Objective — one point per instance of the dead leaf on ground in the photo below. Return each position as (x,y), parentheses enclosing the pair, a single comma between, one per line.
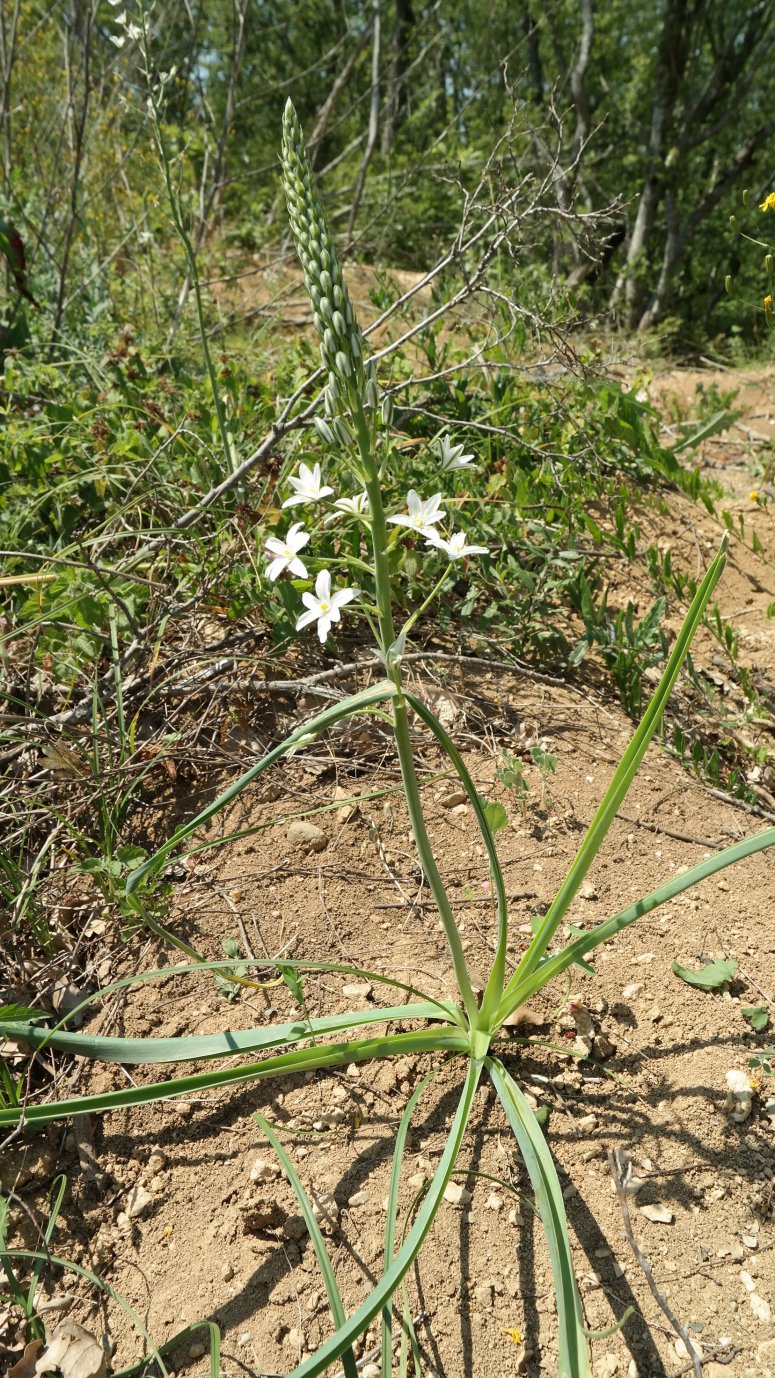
(74,1351)
(26,1366)
(527,1018)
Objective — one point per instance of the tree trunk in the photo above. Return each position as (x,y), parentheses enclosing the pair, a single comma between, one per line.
(670,61)
(534,64)
(396,104)
(371,138)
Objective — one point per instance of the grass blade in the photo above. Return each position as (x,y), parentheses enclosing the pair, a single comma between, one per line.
(553,966)
(574,1355)
(376,693)
(318,1243)
(406,1255)
(140,1369)
(621,781)
(300,1060)
(392,1212)
(40,1258)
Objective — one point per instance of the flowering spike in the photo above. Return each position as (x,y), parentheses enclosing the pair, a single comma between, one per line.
(341,339)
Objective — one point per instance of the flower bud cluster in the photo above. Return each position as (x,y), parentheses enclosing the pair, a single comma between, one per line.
(342,344)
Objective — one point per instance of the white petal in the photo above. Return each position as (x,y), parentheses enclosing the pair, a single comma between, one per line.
(324,627)
(276,568)
(323,586)
(296,567)
(306,618)
(297,497)
(343,596)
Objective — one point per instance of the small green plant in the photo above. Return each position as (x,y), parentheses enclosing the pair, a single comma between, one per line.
(762,1062)
(370,555)
(510,773)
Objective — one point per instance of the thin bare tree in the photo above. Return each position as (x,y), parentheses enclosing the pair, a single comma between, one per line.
(371,138)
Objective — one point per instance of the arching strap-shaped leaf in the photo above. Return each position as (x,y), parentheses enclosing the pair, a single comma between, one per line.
(390,1223)
(344,1336)
(553,966)
(494,986)
(318,1243)
(377,693)
(198,1048)
(300,1060)
(574,1354)
(623,778)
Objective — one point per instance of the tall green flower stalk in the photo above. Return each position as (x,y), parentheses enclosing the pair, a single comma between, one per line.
(469,1032)
(352,397)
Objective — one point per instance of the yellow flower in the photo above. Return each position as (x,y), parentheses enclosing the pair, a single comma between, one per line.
(753,496)
(768,204)
(768,304)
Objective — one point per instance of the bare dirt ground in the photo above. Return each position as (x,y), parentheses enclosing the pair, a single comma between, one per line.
(215,1232)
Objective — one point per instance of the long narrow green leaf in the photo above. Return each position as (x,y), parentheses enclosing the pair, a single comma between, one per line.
(392,1214)
(300,1060)
(376,693)
(318,1243)
(131,1051)
(140,1368)
(623,777)
(553,966)
(38,1256)
(60,1187)
(406,1255)
(444,1009)
(494,987)
(574,1355)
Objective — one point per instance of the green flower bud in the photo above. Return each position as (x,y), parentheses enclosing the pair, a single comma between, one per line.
(343,433)
(323,430)
(322,271)
(768,264)
(728,284)
(387,410)
(372,395)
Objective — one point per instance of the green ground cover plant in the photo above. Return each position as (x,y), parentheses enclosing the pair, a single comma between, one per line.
(380,518)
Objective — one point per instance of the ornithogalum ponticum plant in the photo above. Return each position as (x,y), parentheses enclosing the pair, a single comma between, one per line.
(358,421)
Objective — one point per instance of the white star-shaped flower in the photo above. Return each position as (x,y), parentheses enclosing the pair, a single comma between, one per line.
(451,456)
(422,514)
(351,507)
(455,548)
(323,606)
(285,553)
(307,486)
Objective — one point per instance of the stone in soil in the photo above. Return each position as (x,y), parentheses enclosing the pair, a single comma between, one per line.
(306,837)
